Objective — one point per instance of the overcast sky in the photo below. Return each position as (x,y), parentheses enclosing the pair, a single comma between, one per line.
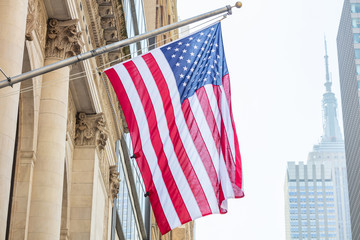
(275,55)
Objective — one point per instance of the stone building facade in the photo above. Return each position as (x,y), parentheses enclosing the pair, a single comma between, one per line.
(58,174)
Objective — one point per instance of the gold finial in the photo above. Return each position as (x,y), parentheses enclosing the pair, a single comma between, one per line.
(238,4)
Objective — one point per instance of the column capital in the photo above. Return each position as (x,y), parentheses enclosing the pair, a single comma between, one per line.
(62,39)
(91,130)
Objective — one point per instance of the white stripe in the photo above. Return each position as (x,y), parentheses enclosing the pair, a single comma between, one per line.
(224,175)
(225,110)
(147,148)
(210,145)
(175,168)
(183,129)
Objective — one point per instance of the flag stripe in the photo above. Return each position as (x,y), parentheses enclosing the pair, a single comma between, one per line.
(201,147)
(238,180)
(167,175)
(185,134)
(146,146)
(168,147)
(141,160)
(174,134)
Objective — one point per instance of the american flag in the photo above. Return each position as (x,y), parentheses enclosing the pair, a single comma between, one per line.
(176,102)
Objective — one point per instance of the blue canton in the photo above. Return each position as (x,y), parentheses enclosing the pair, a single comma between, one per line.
(197,60)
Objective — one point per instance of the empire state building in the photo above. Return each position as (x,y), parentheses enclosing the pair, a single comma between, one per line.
(316,192)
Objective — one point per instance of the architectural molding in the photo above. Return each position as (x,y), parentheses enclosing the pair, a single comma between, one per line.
(114,181)
(90,130)
(62,39)
(36,21)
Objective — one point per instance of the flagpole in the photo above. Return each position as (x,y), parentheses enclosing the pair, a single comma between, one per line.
(111,47)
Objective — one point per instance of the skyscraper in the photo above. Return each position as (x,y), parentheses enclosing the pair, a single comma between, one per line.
(348,43)
(316,196)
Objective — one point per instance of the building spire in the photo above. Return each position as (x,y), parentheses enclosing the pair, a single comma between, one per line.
(328,81)
(331,126)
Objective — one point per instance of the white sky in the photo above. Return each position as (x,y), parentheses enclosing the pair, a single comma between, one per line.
(274,52)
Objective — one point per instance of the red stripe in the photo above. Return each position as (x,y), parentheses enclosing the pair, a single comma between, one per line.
(180,151)
(238,174)
(156,141)
(201,146)
(211,121)
(225,145)
(136,142)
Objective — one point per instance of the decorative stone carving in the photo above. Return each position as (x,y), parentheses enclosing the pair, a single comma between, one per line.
(35,21)
(114,181)
(63,40)
(106,11)
(90,130)
(108,23)
(71,119)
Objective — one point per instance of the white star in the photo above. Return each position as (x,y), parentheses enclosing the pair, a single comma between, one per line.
(188,77)
(209,35)
(212,29)
(173,55)
(215,61)
(202,49)
(218,56)
(206,42)
(216,45)
(201,33)
(198,40)
(213,50)
(196,62)
(205,79)
(209,57)
(191,38)
(214,79)
(181,57)
(179,43)
(188,61)
(209,72)
(217,73)
(176,49)
(195,47)
(192,54)
(177,64)
(212,66)
(168,48)
(185,68)
(181,75)
(192,69)
(184,51)
(184,84)
(187,44)
(199,55)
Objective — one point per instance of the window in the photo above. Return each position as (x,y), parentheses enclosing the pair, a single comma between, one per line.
(356,37)
(355,7)
(356,22)
(357,53)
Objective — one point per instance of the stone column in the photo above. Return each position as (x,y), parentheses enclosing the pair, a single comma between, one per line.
(90,140)
(46,200)
(12,38)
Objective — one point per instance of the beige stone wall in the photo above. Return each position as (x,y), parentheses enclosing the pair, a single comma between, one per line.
(64,180)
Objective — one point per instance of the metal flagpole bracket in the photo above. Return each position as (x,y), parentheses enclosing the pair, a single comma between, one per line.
(7,77)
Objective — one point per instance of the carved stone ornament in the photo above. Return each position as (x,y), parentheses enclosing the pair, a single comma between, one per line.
(62,39)
(35,21)
(114,181)
(90,130)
